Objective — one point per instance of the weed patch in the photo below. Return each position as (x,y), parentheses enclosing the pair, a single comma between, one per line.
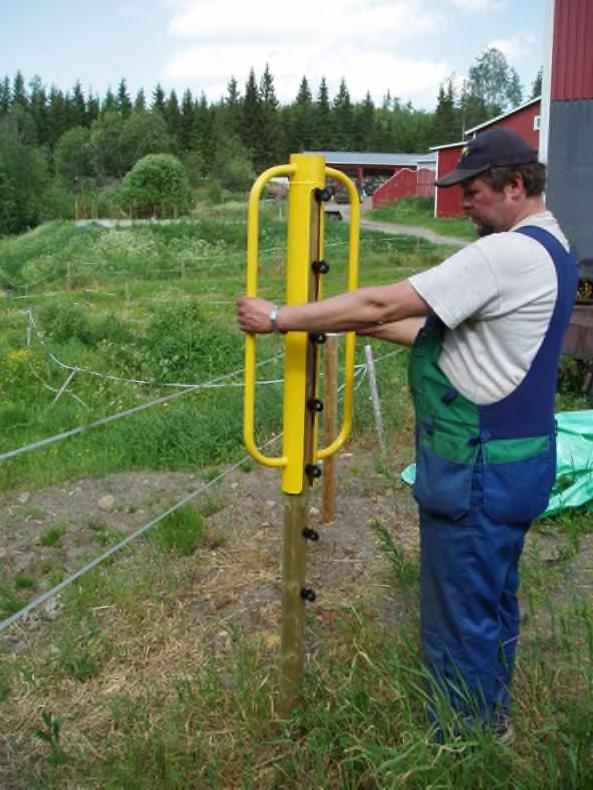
(182,531)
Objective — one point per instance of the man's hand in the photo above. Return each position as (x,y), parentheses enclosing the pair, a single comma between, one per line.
(253,315)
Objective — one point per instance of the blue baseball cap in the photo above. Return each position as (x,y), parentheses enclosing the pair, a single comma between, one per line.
(494,148)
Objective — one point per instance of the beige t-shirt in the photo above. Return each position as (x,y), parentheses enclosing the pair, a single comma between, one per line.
(496,297)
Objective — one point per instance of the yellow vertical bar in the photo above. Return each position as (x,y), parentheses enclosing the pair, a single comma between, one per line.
(308,176)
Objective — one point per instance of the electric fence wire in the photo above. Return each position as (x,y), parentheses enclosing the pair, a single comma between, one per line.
(187,389)
(41,599)
(360,373)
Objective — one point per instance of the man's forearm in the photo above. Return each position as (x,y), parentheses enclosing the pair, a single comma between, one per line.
(351,311)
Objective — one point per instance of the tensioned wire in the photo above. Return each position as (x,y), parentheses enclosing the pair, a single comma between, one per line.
(106,554)
(22,613)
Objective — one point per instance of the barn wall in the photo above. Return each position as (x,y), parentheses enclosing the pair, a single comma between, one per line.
(405,183)
(448,200)
(522,122)
(572,51)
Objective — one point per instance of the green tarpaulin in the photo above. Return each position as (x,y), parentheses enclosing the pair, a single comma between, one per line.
(574,468)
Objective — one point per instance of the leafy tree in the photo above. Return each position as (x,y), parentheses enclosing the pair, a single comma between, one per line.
(73,160)
(232,165)
(105,146)
(158,186)
(9,219)
(536,88)
(492,87)
(24,177)
(141,134)
(19,124)
(514,90)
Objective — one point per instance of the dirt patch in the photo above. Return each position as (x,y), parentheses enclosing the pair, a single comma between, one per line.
(51,533)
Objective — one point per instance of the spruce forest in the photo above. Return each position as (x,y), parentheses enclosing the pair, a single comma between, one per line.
(64,153)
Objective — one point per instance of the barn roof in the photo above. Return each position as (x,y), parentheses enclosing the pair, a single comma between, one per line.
(497,118)
(369,158)
(448,145)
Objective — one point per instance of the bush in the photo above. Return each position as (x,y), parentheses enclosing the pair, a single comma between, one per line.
(157,186)
(64,321)
(183,342)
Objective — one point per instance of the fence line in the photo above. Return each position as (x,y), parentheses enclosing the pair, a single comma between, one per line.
(106,554)
(213,384)
(360,373)
(59,269)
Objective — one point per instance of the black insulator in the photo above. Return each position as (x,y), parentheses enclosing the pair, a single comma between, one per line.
(307,594)
(314,404)
(320,267)
(310,534)
(313,470)
(318,337)
(323,195)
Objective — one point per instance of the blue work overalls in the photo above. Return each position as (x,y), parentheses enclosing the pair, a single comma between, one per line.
(483,473)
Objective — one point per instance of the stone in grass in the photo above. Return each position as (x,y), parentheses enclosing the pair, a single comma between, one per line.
(106,503)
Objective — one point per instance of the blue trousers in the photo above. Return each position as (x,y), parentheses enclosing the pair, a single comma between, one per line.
(469,613)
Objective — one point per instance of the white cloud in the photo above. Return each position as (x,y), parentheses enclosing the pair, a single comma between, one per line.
(360,40)
(515,47)
(479,6)
(271,20)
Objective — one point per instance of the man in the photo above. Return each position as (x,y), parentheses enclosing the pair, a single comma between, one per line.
(486,328)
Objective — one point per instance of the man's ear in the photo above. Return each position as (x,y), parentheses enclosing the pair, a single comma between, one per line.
(516,185)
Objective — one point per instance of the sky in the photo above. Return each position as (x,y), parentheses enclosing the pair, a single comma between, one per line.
(404,47)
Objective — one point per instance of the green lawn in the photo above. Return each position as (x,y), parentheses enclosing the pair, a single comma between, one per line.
(419,212)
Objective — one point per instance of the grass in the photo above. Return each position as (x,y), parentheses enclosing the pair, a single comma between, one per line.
(209,721)
(182,531)
(52,536)
(419,211)
(160,668)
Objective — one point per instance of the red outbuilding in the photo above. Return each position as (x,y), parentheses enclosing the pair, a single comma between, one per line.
(524,120)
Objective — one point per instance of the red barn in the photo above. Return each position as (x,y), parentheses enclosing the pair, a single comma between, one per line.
(525,120)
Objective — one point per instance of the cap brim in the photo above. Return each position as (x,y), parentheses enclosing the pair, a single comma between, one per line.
(459,175)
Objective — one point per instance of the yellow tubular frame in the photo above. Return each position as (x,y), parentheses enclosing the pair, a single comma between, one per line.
(352,284)
(307,172)
(252,272)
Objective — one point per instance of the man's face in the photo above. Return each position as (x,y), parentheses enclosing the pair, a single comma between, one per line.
(488,210)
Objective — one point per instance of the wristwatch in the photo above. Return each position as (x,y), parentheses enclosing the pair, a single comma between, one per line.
(274,319)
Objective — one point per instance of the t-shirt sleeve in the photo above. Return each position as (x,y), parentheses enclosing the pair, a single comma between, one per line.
(460,287)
